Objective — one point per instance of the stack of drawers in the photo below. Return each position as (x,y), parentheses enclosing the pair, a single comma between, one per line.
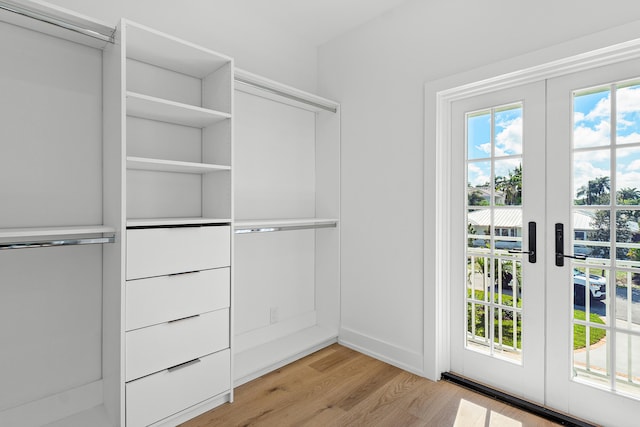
(177,320)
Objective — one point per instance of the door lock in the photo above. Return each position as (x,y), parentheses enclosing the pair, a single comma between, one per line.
(532,244)
(560,255)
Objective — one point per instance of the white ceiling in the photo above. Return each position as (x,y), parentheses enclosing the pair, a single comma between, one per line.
(318,21)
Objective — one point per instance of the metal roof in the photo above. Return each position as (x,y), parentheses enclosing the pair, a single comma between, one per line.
(510,217)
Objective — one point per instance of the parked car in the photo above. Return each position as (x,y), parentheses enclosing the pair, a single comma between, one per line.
(597,286)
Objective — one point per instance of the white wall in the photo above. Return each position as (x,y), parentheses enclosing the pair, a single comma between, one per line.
(221,25)
(378,73)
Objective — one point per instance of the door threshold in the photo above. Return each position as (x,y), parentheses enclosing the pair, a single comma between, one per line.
(541,411)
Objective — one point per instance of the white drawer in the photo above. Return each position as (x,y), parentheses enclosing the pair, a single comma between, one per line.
(160,299)
(165,393)
(158,347)
(161,251)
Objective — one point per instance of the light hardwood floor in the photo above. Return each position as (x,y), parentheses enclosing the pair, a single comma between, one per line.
(337,386)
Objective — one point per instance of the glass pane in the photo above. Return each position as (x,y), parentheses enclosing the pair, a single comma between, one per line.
(628,176)
(627,300)
(477,325)
(508,130)
(507,230)
(590,353)
(478,277)
(628,113)
(627,238)
(590,293)
(493,274)
(508,281)
(592,118)
(479,135)
(627,363)
(595,225)
(478,183)
(508,182)
(508,332)
(591,177)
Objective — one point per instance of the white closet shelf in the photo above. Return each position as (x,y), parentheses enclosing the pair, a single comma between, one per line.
(266,225)
(152,108)
(143,163)
(36,232)
(163,222)
(153,47)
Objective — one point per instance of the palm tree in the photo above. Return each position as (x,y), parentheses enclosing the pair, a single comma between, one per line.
(596,192)
(629,196)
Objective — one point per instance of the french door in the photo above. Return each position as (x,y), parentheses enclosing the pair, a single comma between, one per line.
(545,297)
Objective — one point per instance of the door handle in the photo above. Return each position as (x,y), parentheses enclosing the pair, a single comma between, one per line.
(560,255)
(532,244)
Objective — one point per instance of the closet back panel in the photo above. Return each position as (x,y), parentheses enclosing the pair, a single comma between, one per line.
(273,271)
(163,194)
(159,140)
(50,175)
(51,133)
(51,317)
(274,177)
(162,83)
(274,159)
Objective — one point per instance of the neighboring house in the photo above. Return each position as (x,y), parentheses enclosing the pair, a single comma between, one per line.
(485,194)
(508,223)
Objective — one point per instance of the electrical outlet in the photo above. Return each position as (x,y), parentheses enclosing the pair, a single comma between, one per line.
(274,316)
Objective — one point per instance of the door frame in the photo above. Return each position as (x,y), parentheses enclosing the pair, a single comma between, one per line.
(438,228)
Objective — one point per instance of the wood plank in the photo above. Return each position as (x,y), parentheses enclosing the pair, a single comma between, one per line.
(337,386)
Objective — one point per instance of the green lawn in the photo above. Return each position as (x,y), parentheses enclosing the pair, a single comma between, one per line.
(579,331)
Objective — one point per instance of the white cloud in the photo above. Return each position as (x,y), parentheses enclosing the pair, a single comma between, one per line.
(629,139)
(584,171)
(478,175)
(634,166)
(628,100)
(629,179)
(592,136)
(485,148)
(509,140)
(503,167)
(602,110)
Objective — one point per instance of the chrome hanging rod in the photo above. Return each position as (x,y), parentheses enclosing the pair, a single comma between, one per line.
(54,243)
(268,229)
(292,97)
(33,13)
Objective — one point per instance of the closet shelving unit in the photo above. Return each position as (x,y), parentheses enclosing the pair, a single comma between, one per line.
(168,161)
(167,167)
(52,367)
(286,239)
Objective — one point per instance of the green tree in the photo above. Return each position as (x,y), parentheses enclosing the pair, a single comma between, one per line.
(596,192)
(629,196)
(601,232)
(511,186)
(476,198)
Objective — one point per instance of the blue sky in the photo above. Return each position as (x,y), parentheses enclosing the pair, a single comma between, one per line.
(592,129)
(507,142)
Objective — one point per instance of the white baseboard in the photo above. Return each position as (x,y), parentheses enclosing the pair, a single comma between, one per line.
(54,408)
(193,411)
(255,362)
(270,333)
(94,417)
(402,358)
